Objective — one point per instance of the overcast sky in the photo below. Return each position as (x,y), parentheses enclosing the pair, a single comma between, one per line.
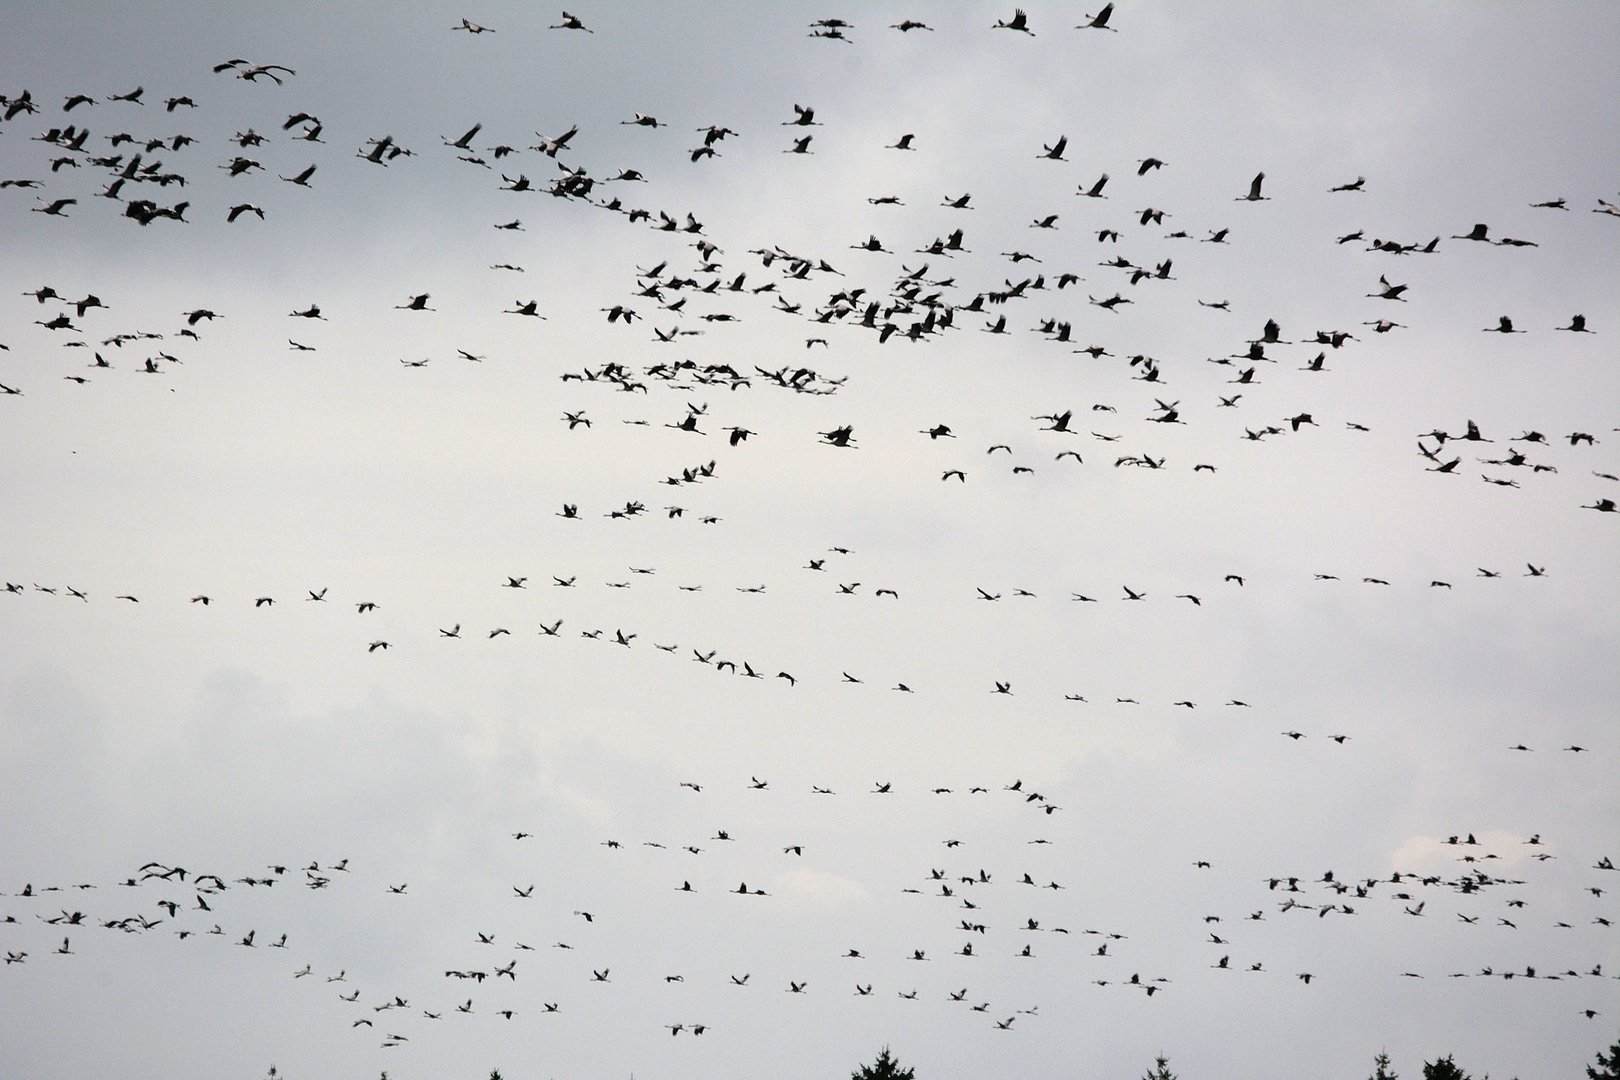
(440,614)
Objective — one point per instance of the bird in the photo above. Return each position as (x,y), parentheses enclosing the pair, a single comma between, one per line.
(840,437)
(1388,291)
(465,141)
(571,22)
(1019,22)
(1099,21)
(1254,190)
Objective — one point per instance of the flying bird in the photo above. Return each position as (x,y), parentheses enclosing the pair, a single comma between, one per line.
(571,22)
(1019,22)
(1098,21)
(1254,190)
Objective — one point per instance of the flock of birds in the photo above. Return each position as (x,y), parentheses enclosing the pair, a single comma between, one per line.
(967,916)
(523,622)
(916,304)
(144,167)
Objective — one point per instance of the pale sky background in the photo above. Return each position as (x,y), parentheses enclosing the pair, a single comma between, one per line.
(230,737)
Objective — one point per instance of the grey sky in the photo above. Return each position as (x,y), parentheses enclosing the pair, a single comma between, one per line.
(230,736)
